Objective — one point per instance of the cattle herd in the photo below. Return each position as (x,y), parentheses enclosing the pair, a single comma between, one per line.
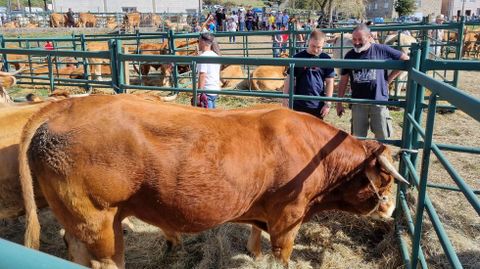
(129,22)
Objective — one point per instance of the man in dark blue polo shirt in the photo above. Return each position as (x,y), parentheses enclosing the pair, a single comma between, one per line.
(312,81)
(369,84)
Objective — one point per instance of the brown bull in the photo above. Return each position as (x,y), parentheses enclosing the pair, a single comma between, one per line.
(87,20)
(187,170)
(58,20)
(231,75)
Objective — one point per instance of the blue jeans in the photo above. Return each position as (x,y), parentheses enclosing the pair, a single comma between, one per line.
(276,50)
(211,101)
(242,26)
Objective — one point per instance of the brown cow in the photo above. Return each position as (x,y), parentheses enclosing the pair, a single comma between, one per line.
(131,21)
(231,75)
(262,78)
(111,23)
(87,20)
(470,43)
(10,25)
(58,20)
(269,78)
(186,170)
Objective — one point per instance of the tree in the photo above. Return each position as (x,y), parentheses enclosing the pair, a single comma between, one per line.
(404,7)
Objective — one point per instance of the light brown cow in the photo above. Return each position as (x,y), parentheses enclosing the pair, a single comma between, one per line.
(131,21)
(87,20)
(262,78)
(10,25)
(12,119)
(186,170)
(111,23)
(58,20)
(231,75)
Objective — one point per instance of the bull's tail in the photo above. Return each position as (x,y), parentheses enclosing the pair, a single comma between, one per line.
(32,233)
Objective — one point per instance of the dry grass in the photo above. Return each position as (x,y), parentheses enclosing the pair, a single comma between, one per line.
(331,239)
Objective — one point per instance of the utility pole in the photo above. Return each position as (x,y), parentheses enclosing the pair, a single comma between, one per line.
(463,8)
(29,6)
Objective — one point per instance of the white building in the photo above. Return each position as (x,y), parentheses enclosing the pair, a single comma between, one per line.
(143,6)
(453,8)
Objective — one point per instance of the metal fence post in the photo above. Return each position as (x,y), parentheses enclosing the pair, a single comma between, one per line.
(459,50)
(291,40)
(419,98)
(291,85)
(113,64)
(86,70)
(171,45)
(4,55)
(432,107)
(194,83)
(120,69)
(410,106)
(50,73)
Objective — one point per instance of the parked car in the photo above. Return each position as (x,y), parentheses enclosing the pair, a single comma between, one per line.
(377,20)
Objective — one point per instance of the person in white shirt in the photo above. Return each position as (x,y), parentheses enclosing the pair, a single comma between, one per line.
(209,73)
(231,27)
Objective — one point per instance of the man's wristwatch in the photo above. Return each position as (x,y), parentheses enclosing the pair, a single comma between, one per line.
(327,104)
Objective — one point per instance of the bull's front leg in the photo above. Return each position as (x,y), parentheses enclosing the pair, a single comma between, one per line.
(282,236)
(254,245)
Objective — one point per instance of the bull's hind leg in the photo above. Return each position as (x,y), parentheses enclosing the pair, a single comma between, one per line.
(97,241)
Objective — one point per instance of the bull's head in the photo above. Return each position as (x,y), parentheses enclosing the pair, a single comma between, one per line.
(369,192)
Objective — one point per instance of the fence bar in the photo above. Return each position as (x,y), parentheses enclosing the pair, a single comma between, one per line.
(423,180)
(447,187)
(17,256)
(464,187)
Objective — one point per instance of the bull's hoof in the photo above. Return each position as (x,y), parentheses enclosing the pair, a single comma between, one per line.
(172,247)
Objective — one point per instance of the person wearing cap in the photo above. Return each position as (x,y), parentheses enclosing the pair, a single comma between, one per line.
(436,36)
(209,73)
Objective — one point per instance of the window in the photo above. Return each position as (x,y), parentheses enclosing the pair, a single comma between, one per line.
(385,5)
(375,6)
(129,9)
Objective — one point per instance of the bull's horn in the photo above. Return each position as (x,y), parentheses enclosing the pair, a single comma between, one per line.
(169,98)
(389,167)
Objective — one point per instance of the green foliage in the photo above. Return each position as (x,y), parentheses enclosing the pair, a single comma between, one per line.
(404,7)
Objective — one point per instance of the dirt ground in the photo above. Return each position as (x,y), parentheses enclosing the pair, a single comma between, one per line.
(331,239)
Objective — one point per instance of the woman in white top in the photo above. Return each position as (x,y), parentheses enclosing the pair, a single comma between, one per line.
(231,27)
(209,73)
